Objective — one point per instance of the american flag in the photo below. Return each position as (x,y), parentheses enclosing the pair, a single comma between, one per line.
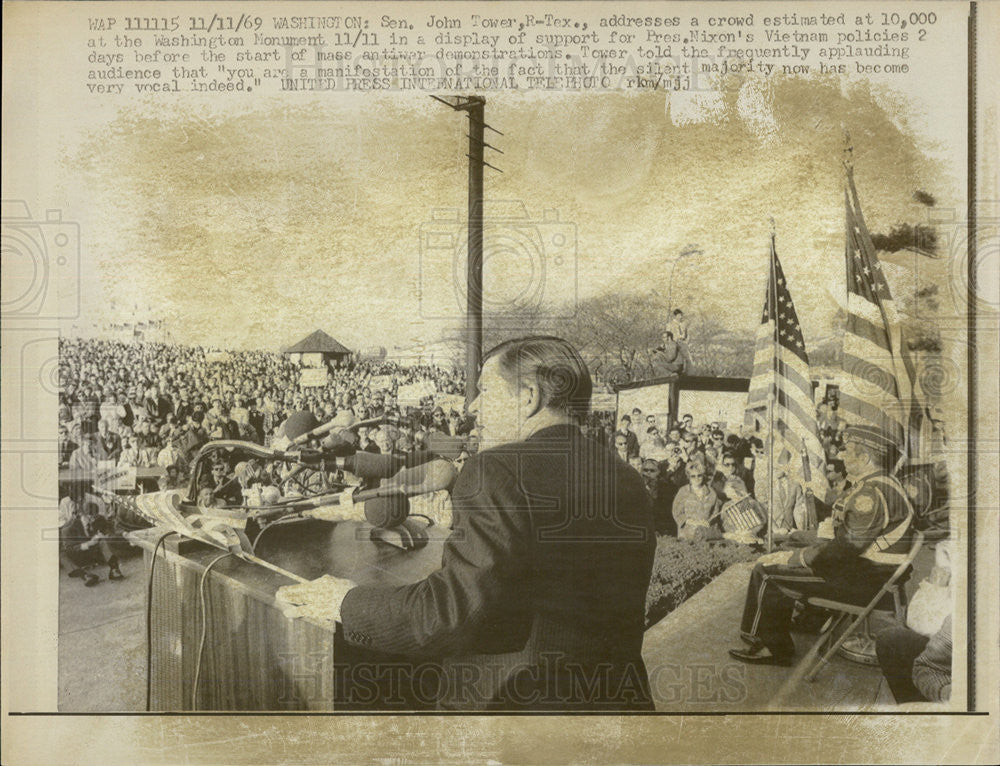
(877,388)
(781,371)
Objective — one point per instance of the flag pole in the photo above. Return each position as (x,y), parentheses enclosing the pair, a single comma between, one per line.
(772,308)
(770,473)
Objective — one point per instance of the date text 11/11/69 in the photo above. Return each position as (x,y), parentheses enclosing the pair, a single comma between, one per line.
(215,23)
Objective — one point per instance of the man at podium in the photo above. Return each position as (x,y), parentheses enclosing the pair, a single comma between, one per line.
(539,601)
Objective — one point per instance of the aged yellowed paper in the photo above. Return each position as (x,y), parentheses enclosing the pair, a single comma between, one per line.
(268,269)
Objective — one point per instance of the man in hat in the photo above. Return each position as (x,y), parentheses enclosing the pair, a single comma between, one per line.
(872,525)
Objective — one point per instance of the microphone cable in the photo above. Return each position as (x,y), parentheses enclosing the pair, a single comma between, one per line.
(149,620)
(204,627)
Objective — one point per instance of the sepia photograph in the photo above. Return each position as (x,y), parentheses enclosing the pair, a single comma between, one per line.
(387,384)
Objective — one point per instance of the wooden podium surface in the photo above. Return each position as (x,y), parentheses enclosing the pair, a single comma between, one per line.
(254,657)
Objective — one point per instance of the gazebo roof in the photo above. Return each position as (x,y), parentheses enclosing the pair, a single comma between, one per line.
(318,342)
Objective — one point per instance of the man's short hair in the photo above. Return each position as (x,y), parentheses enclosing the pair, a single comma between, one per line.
(556,367)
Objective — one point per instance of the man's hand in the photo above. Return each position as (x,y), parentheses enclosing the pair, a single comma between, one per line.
(319,599)
(331,512)
(778,558)
(825,530)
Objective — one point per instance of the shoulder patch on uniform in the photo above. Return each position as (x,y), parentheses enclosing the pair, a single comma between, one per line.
(863,502)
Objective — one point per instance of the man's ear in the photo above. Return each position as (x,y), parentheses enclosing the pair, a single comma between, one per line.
(530,399)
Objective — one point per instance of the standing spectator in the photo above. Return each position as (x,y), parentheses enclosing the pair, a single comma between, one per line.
(156,406)
(365,442)
(383,441)
(110,442)
(696,503)
(726,470)
(674,470)
(662,494)
(438,423)
(171,478)
(83,461)
(129,456)
(621,448)
(170,455)
(230,428)
(66,445)
(456,425)
(625,430)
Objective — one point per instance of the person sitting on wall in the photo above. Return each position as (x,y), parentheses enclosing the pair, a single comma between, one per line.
(669,357)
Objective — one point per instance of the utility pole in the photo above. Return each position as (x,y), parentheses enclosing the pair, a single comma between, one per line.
(475,107)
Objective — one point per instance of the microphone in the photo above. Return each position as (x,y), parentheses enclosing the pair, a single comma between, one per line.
(419,480)
(370,465)
(428,477)
(338,423)
(341,443)
(384,512)
(367,465)
(446,446)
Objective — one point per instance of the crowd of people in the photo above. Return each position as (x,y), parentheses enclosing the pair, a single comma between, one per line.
(154,405)
(708,480)
(151,404)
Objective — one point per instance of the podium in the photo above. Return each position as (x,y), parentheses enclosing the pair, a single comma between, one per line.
(254,657)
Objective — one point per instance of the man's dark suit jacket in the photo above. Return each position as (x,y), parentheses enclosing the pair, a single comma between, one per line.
(540,599)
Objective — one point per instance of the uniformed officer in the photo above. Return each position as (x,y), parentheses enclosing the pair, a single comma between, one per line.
(872,522)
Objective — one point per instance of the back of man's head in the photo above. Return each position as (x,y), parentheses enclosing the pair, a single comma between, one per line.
(562,377)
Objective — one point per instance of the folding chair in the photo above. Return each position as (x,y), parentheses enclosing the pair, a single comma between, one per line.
(860,614)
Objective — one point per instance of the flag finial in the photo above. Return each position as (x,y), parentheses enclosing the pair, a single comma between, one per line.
(774,227)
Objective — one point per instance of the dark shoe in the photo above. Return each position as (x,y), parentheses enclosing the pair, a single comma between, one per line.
(759,655)
(91,580)
(76,573)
